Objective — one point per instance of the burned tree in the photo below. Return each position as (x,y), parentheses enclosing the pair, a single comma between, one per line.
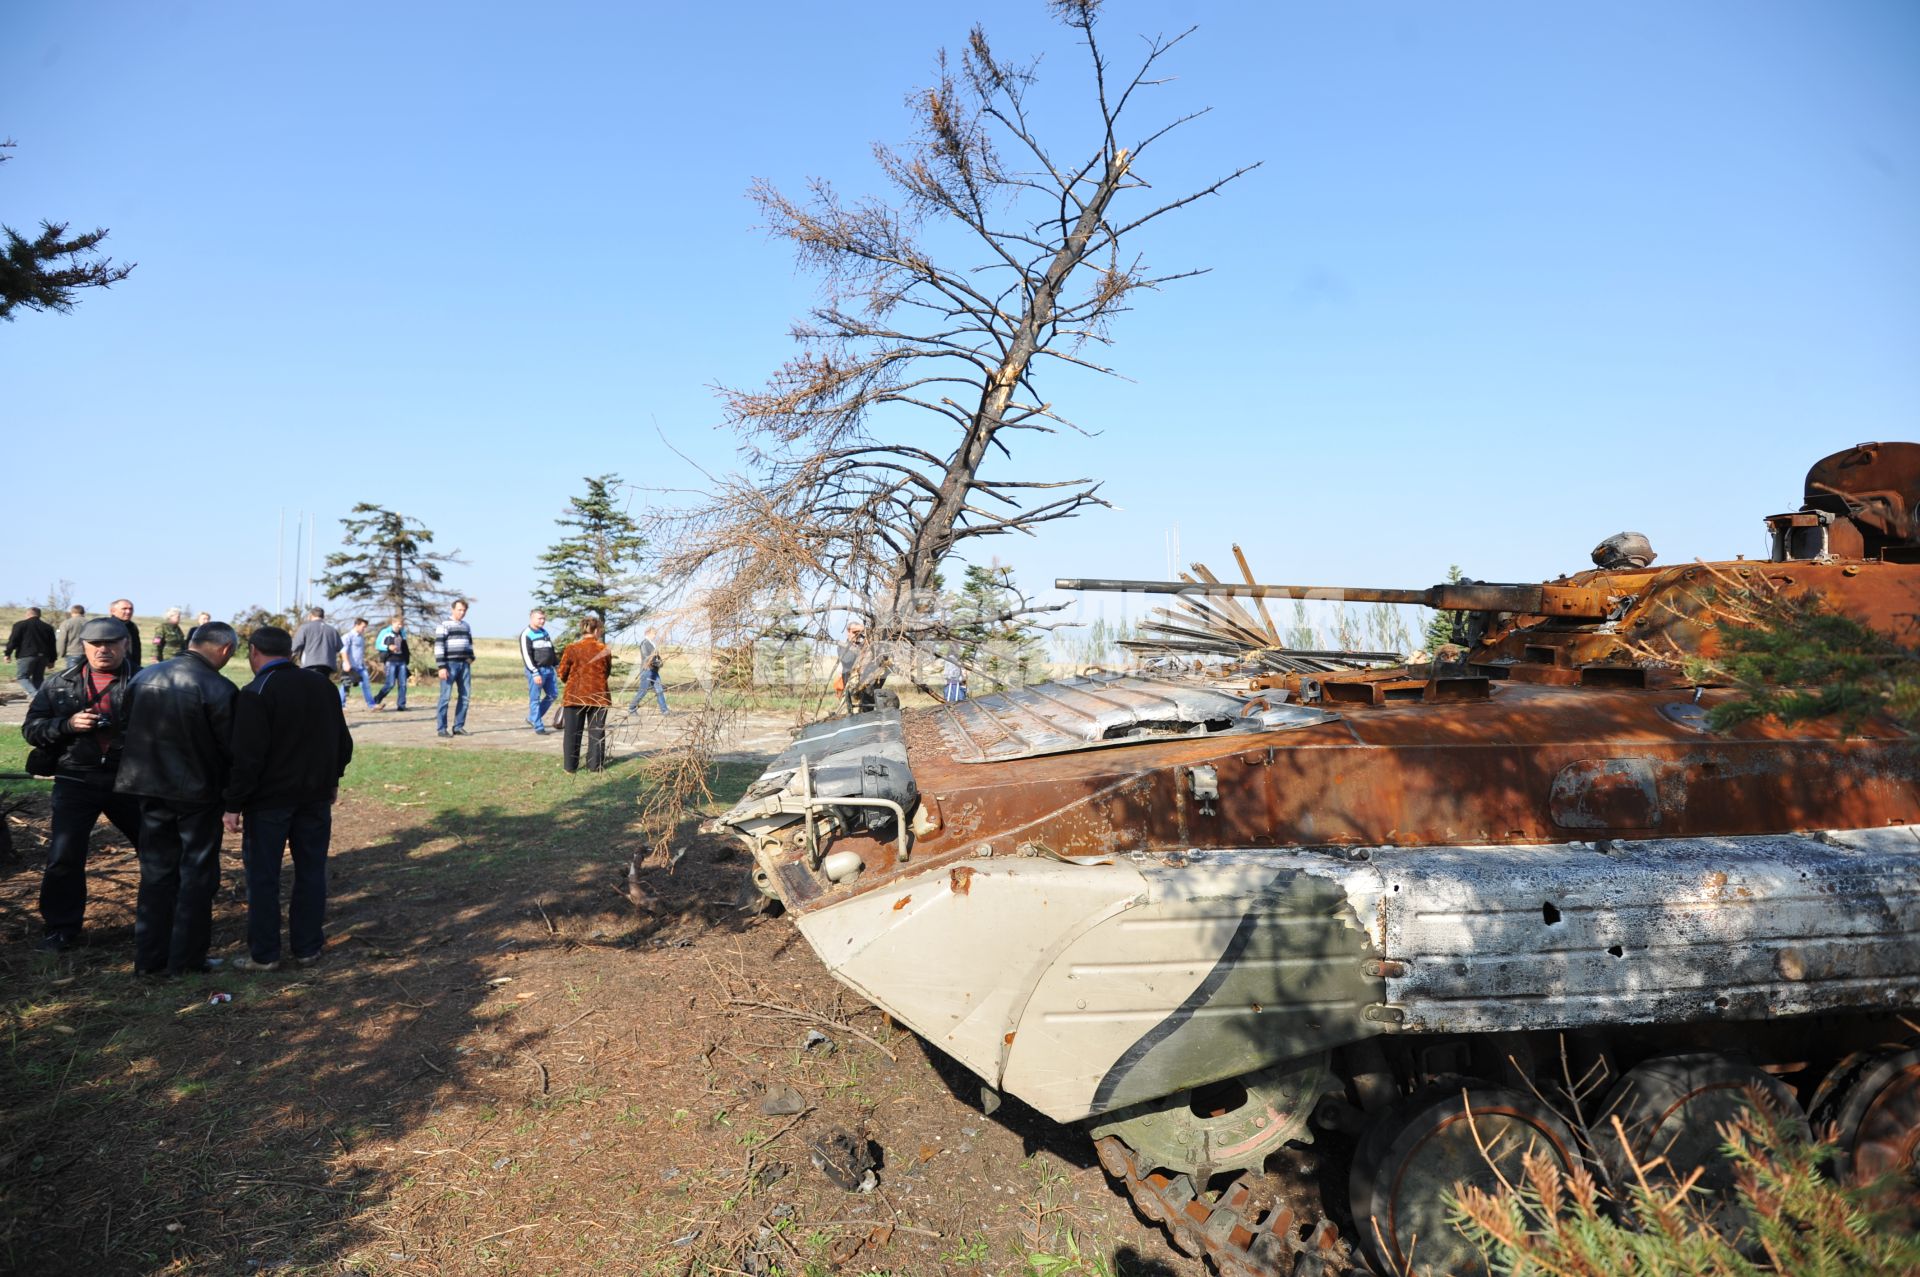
(882,447)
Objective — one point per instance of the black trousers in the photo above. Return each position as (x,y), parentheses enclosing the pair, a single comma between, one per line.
(179,873)
(78,803)
(270,833)
(594,718)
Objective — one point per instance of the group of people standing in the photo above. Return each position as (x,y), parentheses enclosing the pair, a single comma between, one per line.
(174,755)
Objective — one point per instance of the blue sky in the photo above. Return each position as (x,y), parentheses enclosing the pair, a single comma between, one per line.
(1512,276)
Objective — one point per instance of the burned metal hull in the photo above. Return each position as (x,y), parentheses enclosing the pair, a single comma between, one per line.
(1114,982)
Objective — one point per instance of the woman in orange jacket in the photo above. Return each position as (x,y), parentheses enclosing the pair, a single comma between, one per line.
(585,669)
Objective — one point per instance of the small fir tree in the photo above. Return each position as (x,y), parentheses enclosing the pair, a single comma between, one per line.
(1447,628)
(387,567)
(993,639)
(595,567)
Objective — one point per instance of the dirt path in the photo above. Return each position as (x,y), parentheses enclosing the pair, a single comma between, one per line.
(494,725)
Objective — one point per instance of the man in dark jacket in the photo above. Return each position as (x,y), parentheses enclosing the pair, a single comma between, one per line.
(30,646)
(290,747)
(391,644)
(77,714)
(177,753)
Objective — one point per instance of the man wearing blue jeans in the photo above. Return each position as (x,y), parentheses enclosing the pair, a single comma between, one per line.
(650,663)
(290,748)
(453,654)
(391,643)
(355,649)
(539,658)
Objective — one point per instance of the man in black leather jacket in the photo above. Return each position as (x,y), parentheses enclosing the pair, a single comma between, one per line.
(76,714)
(178,750)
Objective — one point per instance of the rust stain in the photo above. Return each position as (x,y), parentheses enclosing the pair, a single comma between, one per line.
(961,880)
(901,903)
(1009,1039)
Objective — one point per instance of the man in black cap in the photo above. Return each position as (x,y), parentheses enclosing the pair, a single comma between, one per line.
(76,718)
(30,647)
(178,749)
(290,747)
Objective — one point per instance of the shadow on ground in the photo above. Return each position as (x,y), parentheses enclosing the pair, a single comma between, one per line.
(149,1127)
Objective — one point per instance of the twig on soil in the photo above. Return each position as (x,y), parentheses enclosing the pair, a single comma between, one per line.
(809,1017)
(551,929)
(517,1228)
(545,1081)
(429,1063)
(896,1226)
(576,1019)
(257,1182)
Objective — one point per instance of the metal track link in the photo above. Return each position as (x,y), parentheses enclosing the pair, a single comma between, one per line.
(1282,1242)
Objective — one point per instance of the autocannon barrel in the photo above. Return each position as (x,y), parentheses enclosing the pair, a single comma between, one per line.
(1580,602)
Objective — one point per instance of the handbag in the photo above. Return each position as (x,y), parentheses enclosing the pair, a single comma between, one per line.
(43,760)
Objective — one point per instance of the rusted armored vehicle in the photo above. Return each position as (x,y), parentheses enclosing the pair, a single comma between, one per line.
(1303,950)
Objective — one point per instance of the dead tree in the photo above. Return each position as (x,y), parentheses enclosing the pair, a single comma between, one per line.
(884,446)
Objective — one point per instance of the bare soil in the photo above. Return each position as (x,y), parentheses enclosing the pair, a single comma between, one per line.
(503,1066)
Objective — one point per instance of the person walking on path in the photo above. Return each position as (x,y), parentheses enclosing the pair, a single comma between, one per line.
(76,715)
(585,667)
(453,656)
(31,646)
(122,611)
(391,644)
(650,663)
(290,748)
(198,621)
(354,659)
(70,653)
(317,645)
(175,758)
(537,654)
(956,676)
(169,640)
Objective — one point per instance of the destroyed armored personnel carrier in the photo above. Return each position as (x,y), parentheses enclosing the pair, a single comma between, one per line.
(1303,948)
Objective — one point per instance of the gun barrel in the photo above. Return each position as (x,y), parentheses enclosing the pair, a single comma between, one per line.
(1238,590)
(1578,602)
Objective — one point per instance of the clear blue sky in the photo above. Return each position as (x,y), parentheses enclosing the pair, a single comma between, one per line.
(1513,276)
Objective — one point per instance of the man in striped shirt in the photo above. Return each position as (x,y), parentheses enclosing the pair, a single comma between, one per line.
(537,654)
(453,654)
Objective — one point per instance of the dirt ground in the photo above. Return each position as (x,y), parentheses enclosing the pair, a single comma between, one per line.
(501,1066)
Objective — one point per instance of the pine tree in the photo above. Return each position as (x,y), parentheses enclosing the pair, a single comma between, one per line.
(1446,628)
(387,567)
(993,640)
(45,270)
(595,567)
